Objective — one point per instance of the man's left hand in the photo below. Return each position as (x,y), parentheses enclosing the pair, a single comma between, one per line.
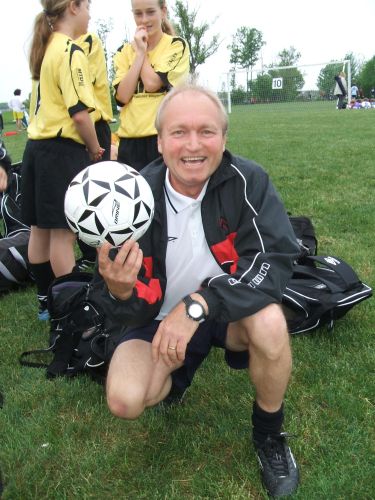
(173,335)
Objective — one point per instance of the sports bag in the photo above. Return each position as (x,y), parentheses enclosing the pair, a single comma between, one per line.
(321,291)
(305,233)
(81,341)
(14,271)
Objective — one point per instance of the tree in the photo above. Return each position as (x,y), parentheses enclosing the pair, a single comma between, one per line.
(103,27)
(367,77)
(245,47)
(293,80)
(289,57)
(194,34)
(355,66)
(326,82)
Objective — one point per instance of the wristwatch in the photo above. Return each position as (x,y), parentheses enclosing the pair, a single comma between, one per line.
(194,309)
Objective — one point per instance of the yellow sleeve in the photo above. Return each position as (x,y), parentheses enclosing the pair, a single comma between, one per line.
(75,81)
(121,63)
(173,67)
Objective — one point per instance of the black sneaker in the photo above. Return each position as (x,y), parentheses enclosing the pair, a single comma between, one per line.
(279,469)
(84,265)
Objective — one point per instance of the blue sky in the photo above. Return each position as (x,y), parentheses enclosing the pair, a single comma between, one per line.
(321,30)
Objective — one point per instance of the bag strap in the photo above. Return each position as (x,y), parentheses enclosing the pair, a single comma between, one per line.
(34,364)
(344,270)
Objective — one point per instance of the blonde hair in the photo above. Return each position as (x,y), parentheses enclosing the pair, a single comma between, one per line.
(194,88)
(166,24)
(53,10)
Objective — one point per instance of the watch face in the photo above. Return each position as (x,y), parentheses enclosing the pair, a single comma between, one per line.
(196,311)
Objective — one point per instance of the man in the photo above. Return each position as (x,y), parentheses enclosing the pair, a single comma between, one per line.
(354,91)
(211,270)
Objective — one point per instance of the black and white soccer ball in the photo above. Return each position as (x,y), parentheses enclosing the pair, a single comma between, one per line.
(109,201)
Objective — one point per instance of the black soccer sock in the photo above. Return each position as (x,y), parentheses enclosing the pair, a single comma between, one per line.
(265,423)
(88,253)
(43,276)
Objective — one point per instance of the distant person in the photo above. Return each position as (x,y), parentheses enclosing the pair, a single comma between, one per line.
(17,106)
(62,138)
(341,90)
(354,91)
(366,103)
(146,69)
(1,122)
(372,92)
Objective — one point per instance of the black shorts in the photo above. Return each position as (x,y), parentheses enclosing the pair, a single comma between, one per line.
(209,334)
(138,152)
(48,166)
(103,133)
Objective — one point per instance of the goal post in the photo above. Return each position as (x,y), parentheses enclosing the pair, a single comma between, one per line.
(273,85)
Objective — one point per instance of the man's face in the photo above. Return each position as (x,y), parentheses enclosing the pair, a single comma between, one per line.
(191,141)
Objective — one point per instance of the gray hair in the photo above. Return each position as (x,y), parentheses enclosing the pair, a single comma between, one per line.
(191,87)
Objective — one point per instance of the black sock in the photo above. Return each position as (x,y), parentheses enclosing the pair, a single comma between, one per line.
(88,253)
(43,276)
(265,423)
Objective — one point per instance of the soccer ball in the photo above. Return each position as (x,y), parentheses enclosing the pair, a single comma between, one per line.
(109,201)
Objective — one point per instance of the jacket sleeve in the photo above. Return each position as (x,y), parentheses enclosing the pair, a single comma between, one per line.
(140,308)
(262,255)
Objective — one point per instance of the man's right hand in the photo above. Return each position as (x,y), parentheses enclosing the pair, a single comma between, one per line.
(120,273)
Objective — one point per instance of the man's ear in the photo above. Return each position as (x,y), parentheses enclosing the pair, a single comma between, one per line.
(225,142)
(160,149)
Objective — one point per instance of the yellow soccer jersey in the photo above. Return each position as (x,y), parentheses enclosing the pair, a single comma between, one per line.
(170,60)
(92,45)
(64,89)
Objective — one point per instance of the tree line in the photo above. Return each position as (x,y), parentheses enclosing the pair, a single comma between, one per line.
(244,53)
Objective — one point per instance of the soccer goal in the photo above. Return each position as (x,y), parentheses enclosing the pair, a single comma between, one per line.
(272,87)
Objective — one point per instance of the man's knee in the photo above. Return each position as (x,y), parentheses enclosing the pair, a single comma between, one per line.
(267,332)
(127,403)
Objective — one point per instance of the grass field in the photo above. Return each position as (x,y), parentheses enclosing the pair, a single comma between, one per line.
(58,440)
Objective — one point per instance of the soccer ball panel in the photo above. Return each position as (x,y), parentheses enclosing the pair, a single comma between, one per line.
(109,201)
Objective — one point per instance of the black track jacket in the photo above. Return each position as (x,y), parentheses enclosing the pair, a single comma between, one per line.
(248,232)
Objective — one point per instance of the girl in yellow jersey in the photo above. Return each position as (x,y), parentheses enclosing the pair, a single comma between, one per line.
(62,139)
(146,70)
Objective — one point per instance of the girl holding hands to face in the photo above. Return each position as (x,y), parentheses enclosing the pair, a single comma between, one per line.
(146,69)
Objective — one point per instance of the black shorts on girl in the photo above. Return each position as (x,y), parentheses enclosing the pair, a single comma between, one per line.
(138,152)
(209,334)
(48,166)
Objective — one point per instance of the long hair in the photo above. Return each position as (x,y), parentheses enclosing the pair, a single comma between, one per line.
(166,25)
(45,21)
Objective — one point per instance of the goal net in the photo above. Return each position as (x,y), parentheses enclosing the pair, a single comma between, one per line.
(280,86)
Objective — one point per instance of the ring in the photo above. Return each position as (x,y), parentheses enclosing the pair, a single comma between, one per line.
(171,348)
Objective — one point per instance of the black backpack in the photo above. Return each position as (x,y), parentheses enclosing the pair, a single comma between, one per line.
(320,291)
(14,270)
(81,339)
(305,233)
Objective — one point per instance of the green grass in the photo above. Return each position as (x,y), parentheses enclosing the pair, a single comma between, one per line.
(58,439)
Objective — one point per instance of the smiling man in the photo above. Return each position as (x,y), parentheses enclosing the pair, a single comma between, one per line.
(210,271)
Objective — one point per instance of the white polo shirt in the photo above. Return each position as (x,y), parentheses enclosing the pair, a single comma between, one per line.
(189,261)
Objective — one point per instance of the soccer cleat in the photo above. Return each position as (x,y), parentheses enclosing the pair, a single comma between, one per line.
(83,265)
(279,470)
